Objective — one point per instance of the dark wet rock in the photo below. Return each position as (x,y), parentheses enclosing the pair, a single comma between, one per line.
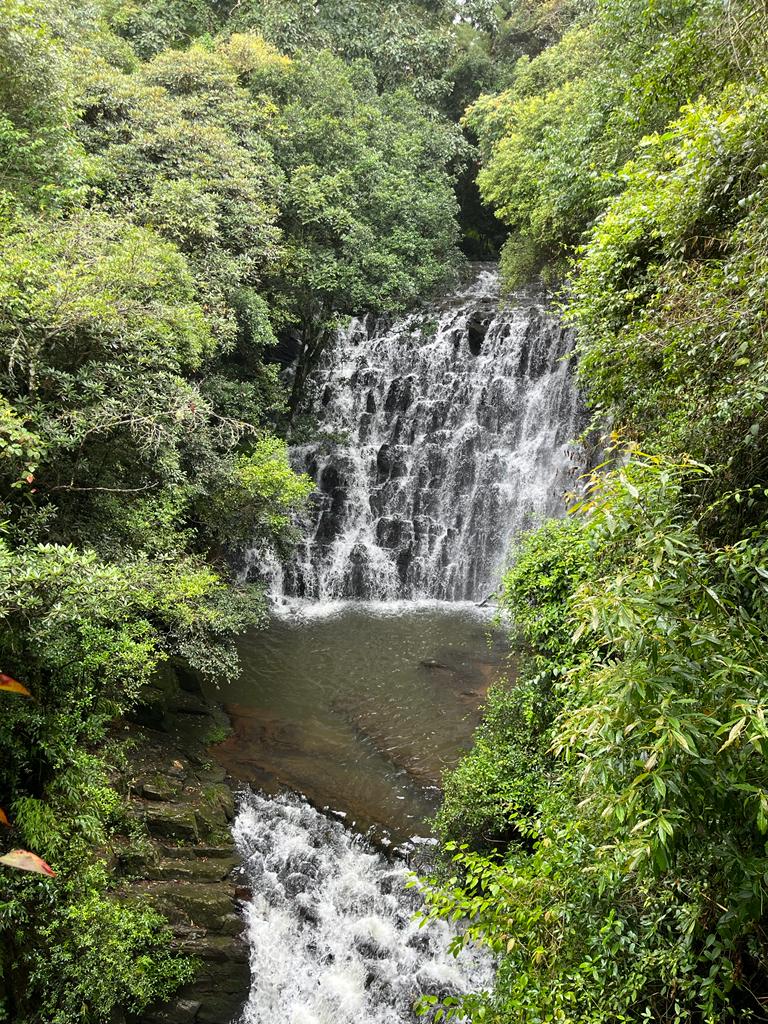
(371,950)
(307,909)
(365,425)
(200,904)
(180,1011)
(393,532)
(214,808)
(358,560)
(419,941)
(399,394)
(330,479)
(295,883)
(161,788)
(186,703)
(202,852)
(195,869)
(477,328)
(223,978)
(387,462)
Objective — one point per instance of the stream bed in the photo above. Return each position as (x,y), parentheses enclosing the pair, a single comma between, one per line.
(442,435)
(345,717)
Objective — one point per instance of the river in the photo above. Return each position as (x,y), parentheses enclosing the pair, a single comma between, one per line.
(444,434)
(362,707)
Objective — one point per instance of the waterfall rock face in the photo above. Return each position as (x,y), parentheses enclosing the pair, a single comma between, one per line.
(447,432)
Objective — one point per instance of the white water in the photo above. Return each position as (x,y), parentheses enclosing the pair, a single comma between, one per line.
(447,433)
(303,609)
(331,928)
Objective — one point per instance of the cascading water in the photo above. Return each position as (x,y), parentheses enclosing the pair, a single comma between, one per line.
(333,939)
(446,433)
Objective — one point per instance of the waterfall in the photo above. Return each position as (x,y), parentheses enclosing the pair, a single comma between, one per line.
(445,433)
(331,928)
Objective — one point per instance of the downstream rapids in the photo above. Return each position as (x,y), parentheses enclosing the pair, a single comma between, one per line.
(331,927)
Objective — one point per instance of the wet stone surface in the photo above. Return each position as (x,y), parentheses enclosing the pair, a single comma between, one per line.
(462,413)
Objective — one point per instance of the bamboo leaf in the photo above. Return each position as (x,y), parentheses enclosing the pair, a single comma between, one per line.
(734,734)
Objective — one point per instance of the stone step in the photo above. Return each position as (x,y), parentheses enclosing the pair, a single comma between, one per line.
(193,869)
(171,821)
(205,905)
(205,852)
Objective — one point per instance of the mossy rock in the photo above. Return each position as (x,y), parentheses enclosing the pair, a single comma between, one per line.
(171,821)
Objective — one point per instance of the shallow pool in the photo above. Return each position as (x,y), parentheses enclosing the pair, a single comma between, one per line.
(361,707)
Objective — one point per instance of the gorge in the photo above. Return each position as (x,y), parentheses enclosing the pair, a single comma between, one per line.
(304,305)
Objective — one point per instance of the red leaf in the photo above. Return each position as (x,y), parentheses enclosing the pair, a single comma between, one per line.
(23,860)
(13,686)
(4,818)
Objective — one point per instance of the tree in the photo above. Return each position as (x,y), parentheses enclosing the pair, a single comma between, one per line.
(38,151)
(632,887)
(554,142)
(368,210)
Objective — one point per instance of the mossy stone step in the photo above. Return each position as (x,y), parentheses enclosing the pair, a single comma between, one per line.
(193,869)
(171,821)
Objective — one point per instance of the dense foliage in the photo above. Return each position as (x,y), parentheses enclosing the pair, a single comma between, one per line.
(633,887)
(185,184)
(166,214)
(555,143)
(629,158)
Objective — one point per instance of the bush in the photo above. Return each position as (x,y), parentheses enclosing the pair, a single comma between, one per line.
(497,784)
(670,297)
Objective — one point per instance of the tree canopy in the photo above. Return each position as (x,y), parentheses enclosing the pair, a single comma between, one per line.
(184,185)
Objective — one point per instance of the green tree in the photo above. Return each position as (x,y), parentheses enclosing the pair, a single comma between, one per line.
(670,297)
(38,150)
(120,454)
(634,888)
(554,142)
(368,210)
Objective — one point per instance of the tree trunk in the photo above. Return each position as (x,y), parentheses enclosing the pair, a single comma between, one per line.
(312,347)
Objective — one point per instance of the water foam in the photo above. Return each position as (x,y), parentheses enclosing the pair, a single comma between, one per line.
(303,609)
(331,925)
